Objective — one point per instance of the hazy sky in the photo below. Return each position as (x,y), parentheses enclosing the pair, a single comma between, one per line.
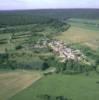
(37,4)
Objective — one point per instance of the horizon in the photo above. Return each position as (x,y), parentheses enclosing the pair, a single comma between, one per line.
(50,9)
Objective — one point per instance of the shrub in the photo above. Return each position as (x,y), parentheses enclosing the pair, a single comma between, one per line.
(45,66)
(18,47)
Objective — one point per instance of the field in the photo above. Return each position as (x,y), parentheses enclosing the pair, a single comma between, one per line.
(12,82)
(76,34)
(76,87)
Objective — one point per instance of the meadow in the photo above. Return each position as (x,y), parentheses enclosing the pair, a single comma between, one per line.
(73,87)
(77,34)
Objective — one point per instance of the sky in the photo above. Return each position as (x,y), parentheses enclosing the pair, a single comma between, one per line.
(46,4)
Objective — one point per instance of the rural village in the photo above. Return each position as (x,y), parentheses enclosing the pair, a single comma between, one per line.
(61,49)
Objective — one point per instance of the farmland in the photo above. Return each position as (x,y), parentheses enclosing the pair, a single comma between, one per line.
(18,42)
(82,35)
(77,87)
(14,82)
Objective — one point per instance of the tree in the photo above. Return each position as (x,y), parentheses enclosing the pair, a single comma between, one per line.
(45,66)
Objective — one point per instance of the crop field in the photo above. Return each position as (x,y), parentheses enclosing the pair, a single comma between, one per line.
(12,82)
(76,87)
(76,34)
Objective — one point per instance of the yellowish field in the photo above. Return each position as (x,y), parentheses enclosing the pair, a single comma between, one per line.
(13,82)
(80,35)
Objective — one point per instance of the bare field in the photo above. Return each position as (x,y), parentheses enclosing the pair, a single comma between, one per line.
(14,82)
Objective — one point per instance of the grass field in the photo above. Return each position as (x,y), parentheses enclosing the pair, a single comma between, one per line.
(80,35)
(12,82)
(76,87)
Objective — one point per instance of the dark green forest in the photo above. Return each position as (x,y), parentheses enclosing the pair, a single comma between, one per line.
(24,17)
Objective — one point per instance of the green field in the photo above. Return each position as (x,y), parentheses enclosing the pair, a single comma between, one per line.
(12,82)
(83,21)
(77,87)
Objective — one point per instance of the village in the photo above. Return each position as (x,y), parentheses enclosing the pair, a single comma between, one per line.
(61,49)
(64,52)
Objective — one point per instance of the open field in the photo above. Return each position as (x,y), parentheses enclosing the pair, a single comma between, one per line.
(92,27)
(76,87)
(12,82)
(91,24)
(84,21)
(76,34)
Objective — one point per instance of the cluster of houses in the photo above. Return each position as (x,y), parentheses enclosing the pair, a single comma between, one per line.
(61,49)
(64,52)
